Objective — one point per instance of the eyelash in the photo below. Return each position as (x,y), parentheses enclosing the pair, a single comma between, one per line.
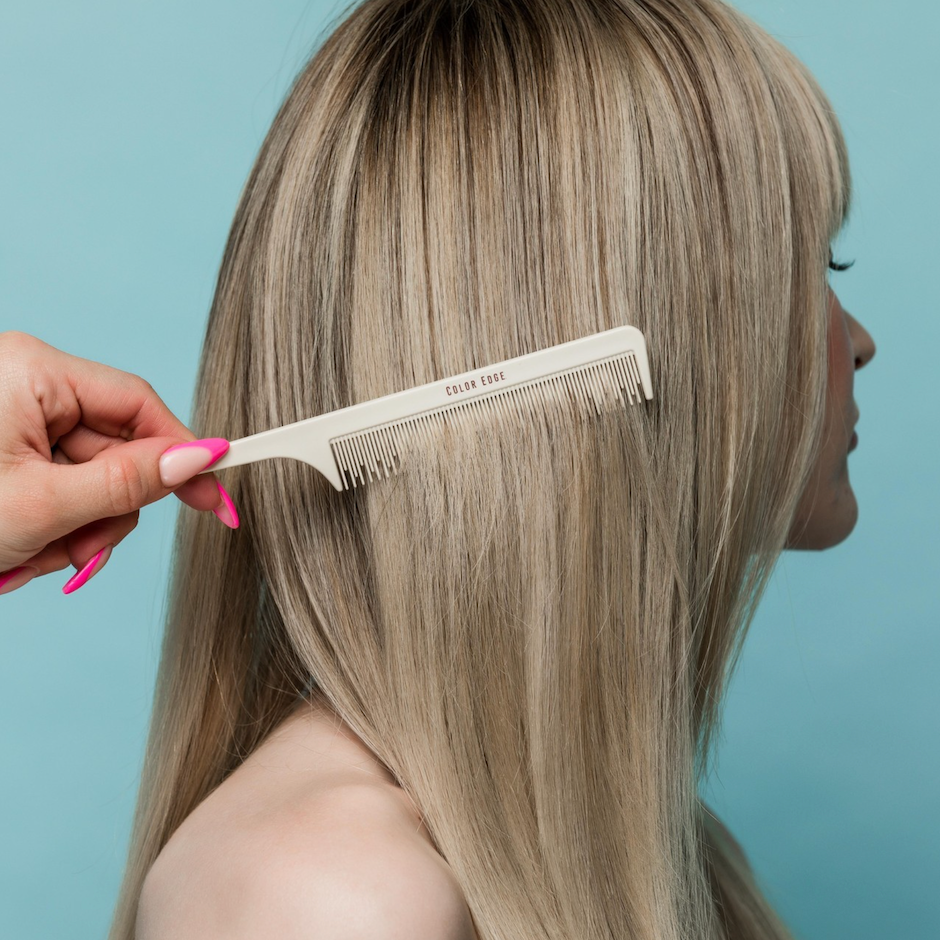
(837,266)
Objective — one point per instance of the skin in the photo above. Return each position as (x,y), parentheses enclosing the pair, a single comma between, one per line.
(315,745)
(58,508)
(828,510)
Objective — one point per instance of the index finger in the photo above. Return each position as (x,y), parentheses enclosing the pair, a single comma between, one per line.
(83,443)
(68,389)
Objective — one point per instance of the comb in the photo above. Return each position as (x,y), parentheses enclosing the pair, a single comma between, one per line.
(350,443)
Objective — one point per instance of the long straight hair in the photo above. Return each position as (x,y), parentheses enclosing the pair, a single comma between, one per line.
(533,624)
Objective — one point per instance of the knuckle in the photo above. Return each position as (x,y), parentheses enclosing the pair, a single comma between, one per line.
(24,358)
(142,384)
(126,487)
(11,339)
(16,345)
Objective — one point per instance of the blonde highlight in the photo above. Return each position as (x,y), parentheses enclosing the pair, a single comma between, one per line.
(534,631)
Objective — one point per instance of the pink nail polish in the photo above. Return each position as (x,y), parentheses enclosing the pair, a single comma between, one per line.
(226,512)
(182,461)
(17,577)
(92,567)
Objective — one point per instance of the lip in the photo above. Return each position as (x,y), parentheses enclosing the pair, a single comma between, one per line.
(854,442)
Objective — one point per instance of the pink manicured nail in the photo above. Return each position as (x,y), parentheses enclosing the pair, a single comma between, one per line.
(226,512)
(92,567)
(181,461)
(17,577)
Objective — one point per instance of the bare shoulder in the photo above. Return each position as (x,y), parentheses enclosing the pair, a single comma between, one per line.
(343,864)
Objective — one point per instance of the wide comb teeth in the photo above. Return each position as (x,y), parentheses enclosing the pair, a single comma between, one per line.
(367,440)
(366,455)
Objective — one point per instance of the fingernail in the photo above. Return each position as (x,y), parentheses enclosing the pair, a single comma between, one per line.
(92,567)
(181,461)
(17,577)
(226,512)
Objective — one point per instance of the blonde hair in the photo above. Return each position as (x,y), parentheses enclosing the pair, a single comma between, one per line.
(533,624)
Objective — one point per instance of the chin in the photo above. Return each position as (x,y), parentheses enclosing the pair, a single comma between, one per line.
(826,528)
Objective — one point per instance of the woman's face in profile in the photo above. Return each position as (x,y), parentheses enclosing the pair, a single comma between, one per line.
(827,511)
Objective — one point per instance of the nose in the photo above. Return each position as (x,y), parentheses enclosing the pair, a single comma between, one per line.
(862,342)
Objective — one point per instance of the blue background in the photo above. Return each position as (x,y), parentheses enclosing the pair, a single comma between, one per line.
(128,130)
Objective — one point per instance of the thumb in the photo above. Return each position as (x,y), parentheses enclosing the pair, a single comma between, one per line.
(119,479)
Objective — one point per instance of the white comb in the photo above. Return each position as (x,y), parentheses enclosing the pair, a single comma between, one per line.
(373,434)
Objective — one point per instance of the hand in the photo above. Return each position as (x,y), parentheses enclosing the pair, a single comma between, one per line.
(80,448)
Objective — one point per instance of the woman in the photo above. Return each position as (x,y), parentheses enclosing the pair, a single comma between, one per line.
(528,636)
(519,647)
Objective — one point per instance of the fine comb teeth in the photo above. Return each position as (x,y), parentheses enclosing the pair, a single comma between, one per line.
(342,444)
